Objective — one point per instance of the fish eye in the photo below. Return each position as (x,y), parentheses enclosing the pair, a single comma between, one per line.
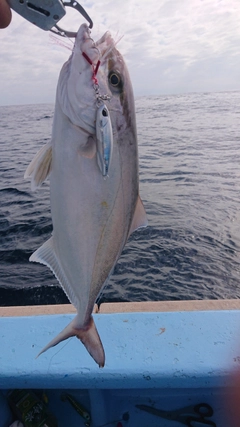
(115,80)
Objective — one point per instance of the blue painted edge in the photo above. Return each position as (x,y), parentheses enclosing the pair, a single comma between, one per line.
(143,350)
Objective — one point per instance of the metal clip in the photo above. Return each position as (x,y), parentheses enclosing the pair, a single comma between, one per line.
(46,15)
(75,5)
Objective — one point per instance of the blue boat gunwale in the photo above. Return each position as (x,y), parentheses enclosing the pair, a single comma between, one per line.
(189,344)
(173,351)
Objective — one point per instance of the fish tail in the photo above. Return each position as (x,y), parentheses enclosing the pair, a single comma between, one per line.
(91,339)
(87,334)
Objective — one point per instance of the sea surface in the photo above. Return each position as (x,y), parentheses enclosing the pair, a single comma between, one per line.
(189,155)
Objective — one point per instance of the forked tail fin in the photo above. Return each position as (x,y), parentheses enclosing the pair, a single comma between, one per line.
(89,337)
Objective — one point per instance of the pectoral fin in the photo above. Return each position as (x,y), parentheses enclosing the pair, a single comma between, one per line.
(139,218)
(40,166)
(89,149)
(87,334)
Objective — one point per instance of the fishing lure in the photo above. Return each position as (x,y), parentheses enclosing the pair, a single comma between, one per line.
(104,131)
(104,139)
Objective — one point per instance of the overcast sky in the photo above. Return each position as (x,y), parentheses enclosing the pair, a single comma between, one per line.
(170,46)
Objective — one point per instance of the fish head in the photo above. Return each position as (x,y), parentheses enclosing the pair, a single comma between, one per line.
(95,73)
(75,92)
(115,83)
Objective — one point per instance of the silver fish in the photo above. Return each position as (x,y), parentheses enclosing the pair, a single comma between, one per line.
(92,217)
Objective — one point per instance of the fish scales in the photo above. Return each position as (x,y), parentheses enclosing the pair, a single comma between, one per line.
(93,215)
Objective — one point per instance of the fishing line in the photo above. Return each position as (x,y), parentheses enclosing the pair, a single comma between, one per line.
(114,44)
(118,40)
(61,43)
(60,349)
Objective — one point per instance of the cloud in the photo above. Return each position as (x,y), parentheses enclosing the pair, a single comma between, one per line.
(170,46)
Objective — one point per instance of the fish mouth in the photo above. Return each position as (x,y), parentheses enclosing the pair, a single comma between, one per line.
(95,50)
(86,44)
(84,76)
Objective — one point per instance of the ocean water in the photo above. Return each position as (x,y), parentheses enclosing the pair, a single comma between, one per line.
(189,156)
